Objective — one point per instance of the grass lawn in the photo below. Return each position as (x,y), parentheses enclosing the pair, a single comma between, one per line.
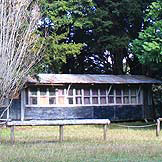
(82,144)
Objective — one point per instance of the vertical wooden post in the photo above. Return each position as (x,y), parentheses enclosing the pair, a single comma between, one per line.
(0,134)
(61,133)
(12,135)
(158,127)
(105,131)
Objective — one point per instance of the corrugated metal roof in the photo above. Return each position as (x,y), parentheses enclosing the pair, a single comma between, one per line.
(91,78)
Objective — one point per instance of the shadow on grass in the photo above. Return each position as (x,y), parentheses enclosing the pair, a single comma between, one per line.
(66,140)
(33,142)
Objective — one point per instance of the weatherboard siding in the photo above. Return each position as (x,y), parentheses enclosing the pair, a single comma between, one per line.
(58,113)
(15,110)
(114,113)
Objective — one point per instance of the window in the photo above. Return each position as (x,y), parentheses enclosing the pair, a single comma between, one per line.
(126,96)
(111,96)
(61,97)
(116,95)
(42,96)
(133,95)
(70,96)
(33,96)
(102,96)
(52,96)
(94,96)
(78,96)
(43,100)
(86,96)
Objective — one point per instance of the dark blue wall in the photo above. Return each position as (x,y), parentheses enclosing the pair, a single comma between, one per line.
(114,113)
(5,113)
(15,110)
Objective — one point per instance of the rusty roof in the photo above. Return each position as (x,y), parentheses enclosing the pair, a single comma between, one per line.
(91,79)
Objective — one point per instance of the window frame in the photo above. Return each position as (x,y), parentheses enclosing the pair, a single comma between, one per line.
(108,88)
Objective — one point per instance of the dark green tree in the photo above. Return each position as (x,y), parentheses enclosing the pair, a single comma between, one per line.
(115,25)
(59,18)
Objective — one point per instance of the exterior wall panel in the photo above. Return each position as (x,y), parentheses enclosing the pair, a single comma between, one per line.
(15,110)
(104,112)
(127,112)
(114,113)
(33,113)
(5,114)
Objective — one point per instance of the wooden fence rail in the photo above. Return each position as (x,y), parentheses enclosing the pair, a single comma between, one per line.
(60,123)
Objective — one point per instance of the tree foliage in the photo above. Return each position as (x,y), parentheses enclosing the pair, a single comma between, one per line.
(65,16)
(115,25)
(148,46)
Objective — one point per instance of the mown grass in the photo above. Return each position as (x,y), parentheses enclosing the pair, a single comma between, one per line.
(81,143)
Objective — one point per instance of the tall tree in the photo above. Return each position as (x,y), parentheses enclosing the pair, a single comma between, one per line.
(62,17)
(115,24)
(18,44)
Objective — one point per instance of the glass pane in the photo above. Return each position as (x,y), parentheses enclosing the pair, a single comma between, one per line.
(86,100)
(78,92)
(26,97)
(111,99)
(78,100)
(61,100)
(43,101)
(126,92)
(133,92)
(43,91)
(33,91)
(103,100)
(126,99)
(139,98)
(60,91)
(111,91)
(133,100)
(52,100)
(118,91)
(95,92)
(70,100)
(52,92)
(86,92)
(70,92)
(118,100)
(33,100)
(95,100)
(103,92)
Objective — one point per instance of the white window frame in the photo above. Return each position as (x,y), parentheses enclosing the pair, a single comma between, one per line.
(105,96)
(95,96)
(53,96)
(139,91)
(81,96)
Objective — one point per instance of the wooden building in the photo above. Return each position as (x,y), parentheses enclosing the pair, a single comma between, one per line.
(84,96)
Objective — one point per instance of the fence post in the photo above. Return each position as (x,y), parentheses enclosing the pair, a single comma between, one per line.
(158,127)
(61,133)
(0,133)
(105,131)
(12,136)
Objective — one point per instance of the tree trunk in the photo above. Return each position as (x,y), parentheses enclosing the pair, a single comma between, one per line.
(117,62)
